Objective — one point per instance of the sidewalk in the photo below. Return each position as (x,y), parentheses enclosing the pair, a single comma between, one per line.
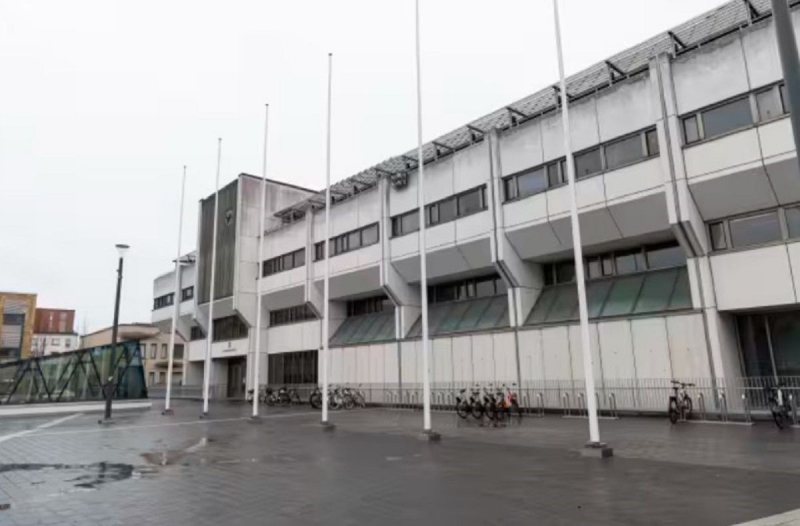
(373,469)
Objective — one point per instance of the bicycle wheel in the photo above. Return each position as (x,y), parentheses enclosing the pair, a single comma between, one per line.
(777,414)
(516,409)
(674,413)
(477,410)
(462,409)
(315,400)
(687,408)
(349,403)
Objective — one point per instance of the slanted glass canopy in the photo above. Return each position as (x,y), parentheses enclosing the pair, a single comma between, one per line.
(367,328)
(645,293)
(74,376)
(479,314)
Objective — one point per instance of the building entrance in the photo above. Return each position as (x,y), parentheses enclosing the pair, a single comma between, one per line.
(770,343)
(237,369)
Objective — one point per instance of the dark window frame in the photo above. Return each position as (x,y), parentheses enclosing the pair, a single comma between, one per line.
(785,235)
(278,264)
(229,328)
(434,209)
(340,244)
(167,300)
(187,293)
(464,289)
(290,315)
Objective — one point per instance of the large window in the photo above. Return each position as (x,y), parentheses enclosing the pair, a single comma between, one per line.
(756,229)
(369,306)
(164,301)
(229,328)
(770,339)
(405,223)
(292,368)
(465,289)
(618,263)
(187,293)
(763,105)
(363,237)
(285,262)
(457,206)
(615,154)
(289,315)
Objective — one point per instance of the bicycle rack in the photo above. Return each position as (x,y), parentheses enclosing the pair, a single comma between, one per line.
(582,405)
(526,402)
(565,403)
(540,400)
(723,407)
(597,405)
(612,406)
(746,406)
(793,403)
(701,405)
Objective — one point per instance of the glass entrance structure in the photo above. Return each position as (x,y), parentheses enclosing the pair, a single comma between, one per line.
(74,376)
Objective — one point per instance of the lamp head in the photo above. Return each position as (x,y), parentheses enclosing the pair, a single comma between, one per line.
(122,249)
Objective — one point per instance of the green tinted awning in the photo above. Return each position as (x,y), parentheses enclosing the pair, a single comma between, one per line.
(378,327)
(461,316)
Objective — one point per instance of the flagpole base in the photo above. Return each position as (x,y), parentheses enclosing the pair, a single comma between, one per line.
(255,419)
(597,450)
(106,421)
(203,415)
(327,426)
(430,435)
(167,412)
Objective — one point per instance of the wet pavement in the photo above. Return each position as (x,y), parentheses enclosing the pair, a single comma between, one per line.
(374,468)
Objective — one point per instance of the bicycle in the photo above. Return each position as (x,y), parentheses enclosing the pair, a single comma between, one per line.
(778,405)
(468,406)
(680,403)
(508,402)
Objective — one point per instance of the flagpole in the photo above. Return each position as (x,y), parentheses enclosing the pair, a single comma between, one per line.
(326,286)
(423,264)
(258,267)
(210,335)
(176,300)
(586,343)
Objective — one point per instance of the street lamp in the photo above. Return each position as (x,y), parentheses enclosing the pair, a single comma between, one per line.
(109,386)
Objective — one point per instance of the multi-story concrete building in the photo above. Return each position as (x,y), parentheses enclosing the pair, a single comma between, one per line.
(54,332)
(16,325)
(163,309)
(688,192)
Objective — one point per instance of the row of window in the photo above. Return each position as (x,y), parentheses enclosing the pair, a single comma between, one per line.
(755,229)
(178,353)
(229,328)
(13,319)
(362,237)
(618,263)
(466,289)
(292,368)
(169,299)
(610,156)
(288,315)
(285,262)
(744,111)
(449,209)
(197,333)
(368,306)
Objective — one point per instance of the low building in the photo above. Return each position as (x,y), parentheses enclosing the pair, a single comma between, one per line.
(54,332)
(153,345)
(16,325)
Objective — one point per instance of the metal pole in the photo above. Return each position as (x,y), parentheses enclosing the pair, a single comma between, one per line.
(326,287)
(114,329)
(210,335)
(177,301)
(588,370)
(787,46)
(258,259)
(423,264)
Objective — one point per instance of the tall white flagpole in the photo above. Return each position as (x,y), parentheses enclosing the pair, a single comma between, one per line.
(423,264)
(210,335)
(586,343)
(258,259)
(326,292)
(177,301)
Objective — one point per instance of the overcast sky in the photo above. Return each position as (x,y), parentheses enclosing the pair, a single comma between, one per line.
(102,102)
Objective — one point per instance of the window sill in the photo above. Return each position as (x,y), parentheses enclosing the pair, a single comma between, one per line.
(347,251)
(484,209)
(722,252)
(619,317)
(721,136)
(277,325)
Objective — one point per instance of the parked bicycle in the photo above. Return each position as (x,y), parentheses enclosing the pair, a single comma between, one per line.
(680,403)
(509,405)
(779,404)
(469,406)
(338,398)
(283,396)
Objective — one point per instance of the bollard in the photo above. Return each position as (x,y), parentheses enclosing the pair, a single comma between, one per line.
(565,403)
(540,398)
(597,401)
(612,405)
(701,405)
(723,407)
(746,408)
(582,404)
(793,403)
(526,402)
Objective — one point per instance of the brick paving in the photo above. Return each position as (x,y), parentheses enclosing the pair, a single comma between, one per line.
(151,469)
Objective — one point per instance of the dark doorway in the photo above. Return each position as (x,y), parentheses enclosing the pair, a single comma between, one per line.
(237,370)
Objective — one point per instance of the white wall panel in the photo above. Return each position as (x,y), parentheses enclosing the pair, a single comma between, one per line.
(472,167)
(555,342)
(650,346)
(524,210)
(363,358)
(576,352)
(732,150)
(633,179)
(616,349)
(409,359)
(776,138)
(462,360)
(761,54)
(376,361)
(634,99)
(531,356)
(483,358)
(753,278)
(391,364)
(439,180)
(687,344)
(521,148)
(505,358)
(583,124)
(442,362)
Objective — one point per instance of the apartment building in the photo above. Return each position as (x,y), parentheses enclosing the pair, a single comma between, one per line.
(689,206)
(54,332)
(16,326)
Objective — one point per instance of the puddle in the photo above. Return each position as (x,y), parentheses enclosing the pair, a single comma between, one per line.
(90,476)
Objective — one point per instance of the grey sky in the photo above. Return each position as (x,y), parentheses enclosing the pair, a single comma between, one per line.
(102,102)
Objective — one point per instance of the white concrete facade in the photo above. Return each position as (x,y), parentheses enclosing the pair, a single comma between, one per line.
(673,192)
